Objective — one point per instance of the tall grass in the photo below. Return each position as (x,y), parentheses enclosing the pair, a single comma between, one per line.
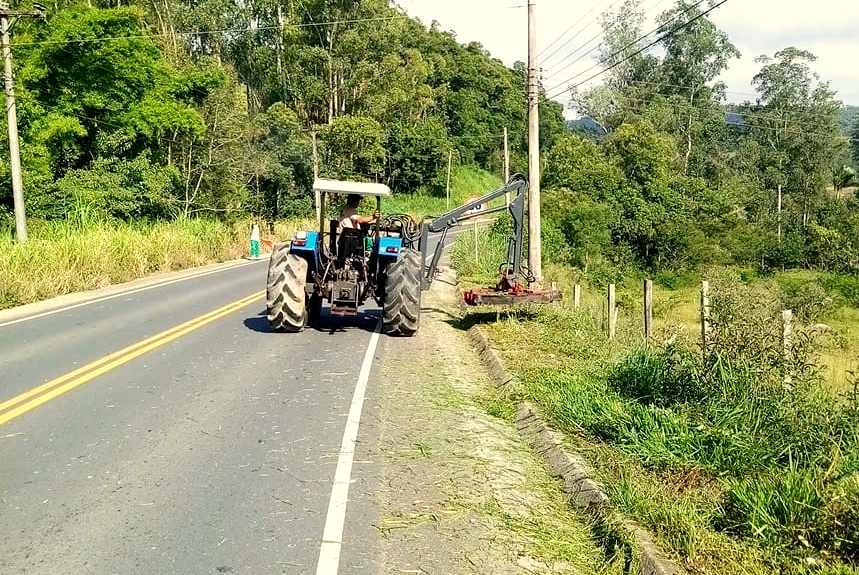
(740,460)
(81,254)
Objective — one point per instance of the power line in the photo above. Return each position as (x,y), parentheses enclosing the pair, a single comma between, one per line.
(686,86)
(640,50)
(564,33)
(618,52)
(591,39)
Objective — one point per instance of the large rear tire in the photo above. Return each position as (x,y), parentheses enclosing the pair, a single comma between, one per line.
(285,297)
(402,308)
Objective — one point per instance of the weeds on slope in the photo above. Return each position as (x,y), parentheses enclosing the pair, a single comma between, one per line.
(737,457)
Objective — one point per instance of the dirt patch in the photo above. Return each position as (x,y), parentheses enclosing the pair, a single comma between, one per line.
(462,493)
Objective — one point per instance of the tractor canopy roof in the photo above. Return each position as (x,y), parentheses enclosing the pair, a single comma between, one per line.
(360,188)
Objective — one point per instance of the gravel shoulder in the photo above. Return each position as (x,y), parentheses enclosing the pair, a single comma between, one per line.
(460,490)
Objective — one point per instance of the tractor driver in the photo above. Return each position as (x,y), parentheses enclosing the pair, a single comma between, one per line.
(349,217)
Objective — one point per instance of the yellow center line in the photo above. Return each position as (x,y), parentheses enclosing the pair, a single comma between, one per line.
(56,387)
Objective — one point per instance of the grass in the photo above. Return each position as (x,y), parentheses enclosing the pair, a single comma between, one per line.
(66,257)
(486,480)
(732,467)
(720,506)
(465,181)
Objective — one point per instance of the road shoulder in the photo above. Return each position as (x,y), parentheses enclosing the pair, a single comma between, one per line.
(460,490)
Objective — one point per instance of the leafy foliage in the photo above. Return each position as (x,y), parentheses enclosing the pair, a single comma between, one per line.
(155,110)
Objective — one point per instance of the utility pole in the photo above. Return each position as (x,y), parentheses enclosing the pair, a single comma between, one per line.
(534,242)
(506,166)
(7,20)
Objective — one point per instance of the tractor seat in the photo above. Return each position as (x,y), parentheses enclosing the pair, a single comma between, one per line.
(350,243)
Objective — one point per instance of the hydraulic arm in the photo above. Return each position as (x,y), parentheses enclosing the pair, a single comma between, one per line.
(517,185)
(509,288)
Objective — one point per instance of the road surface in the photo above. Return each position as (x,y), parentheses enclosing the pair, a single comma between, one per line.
(161,428)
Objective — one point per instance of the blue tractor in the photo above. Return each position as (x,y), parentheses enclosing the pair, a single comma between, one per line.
(346,267)
(391,260)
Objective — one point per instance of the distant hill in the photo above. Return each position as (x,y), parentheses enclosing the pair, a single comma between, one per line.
(593,130)
(848,116)
(588,127)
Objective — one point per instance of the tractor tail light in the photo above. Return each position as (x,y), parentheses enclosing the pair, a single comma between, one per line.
(392,249)
(299,242)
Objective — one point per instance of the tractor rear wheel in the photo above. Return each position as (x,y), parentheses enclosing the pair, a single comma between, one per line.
(285,297)
(402,308)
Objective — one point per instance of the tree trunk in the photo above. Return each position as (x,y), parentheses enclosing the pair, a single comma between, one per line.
(778,215)
(688,136)
(279,51)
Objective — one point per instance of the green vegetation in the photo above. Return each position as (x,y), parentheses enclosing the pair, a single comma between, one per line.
(64,257)
(152,135)
(151,112)
(733,467)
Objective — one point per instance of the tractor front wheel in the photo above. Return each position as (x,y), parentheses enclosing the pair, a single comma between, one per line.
(285,297)
(402,308)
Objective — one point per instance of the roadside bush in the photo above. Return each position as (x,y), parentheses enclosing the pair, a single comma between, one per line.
(777,507)
(664,378)
(809,302)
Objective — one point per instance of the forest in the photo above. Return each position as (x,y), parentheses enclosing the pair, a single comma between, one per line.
(156,110)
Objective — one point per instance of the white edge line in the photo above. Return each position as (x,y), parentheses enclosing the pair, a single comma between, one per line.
(332,534)
(123,294)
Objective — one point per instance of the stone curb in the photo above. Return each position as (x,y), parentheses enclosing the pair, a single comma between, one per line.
(582,491)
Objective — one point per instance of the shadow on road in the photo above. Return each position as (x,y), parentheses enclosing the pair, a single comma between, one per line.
(472,318)
(365,320)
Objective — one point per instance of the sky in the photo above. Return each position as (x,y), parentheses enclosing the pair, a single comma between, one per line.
(568,29)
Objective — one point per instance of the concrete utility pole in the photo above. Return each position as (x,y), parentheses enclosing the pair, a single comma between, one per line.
(534,242)
(7,20)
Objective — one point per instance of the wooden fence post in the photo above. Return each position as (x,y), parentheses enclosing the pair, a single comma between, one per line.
(612,312)
(705,316)
(648,309)
(577,296)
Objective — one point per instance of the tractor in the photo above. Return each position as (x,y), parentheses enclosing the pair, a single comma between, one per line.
(346,267)
(390,260)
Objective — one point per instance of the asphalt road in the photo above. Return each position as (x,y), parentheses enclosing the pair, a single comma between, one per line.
(215,452)
(163,429)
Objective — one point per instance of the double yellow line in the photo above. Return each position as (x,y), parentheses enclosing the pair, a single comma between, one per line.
(35,397)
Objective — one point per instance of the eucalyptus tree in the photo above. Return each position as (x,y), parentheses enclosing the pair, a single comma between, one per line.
(796,122)
(628,65)
(696,53)
(854,140)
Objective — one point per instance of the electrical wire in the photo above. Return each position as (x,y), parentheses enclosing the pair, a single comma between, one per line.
(576,35)
(611,25)
(639,51)
(616,53)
